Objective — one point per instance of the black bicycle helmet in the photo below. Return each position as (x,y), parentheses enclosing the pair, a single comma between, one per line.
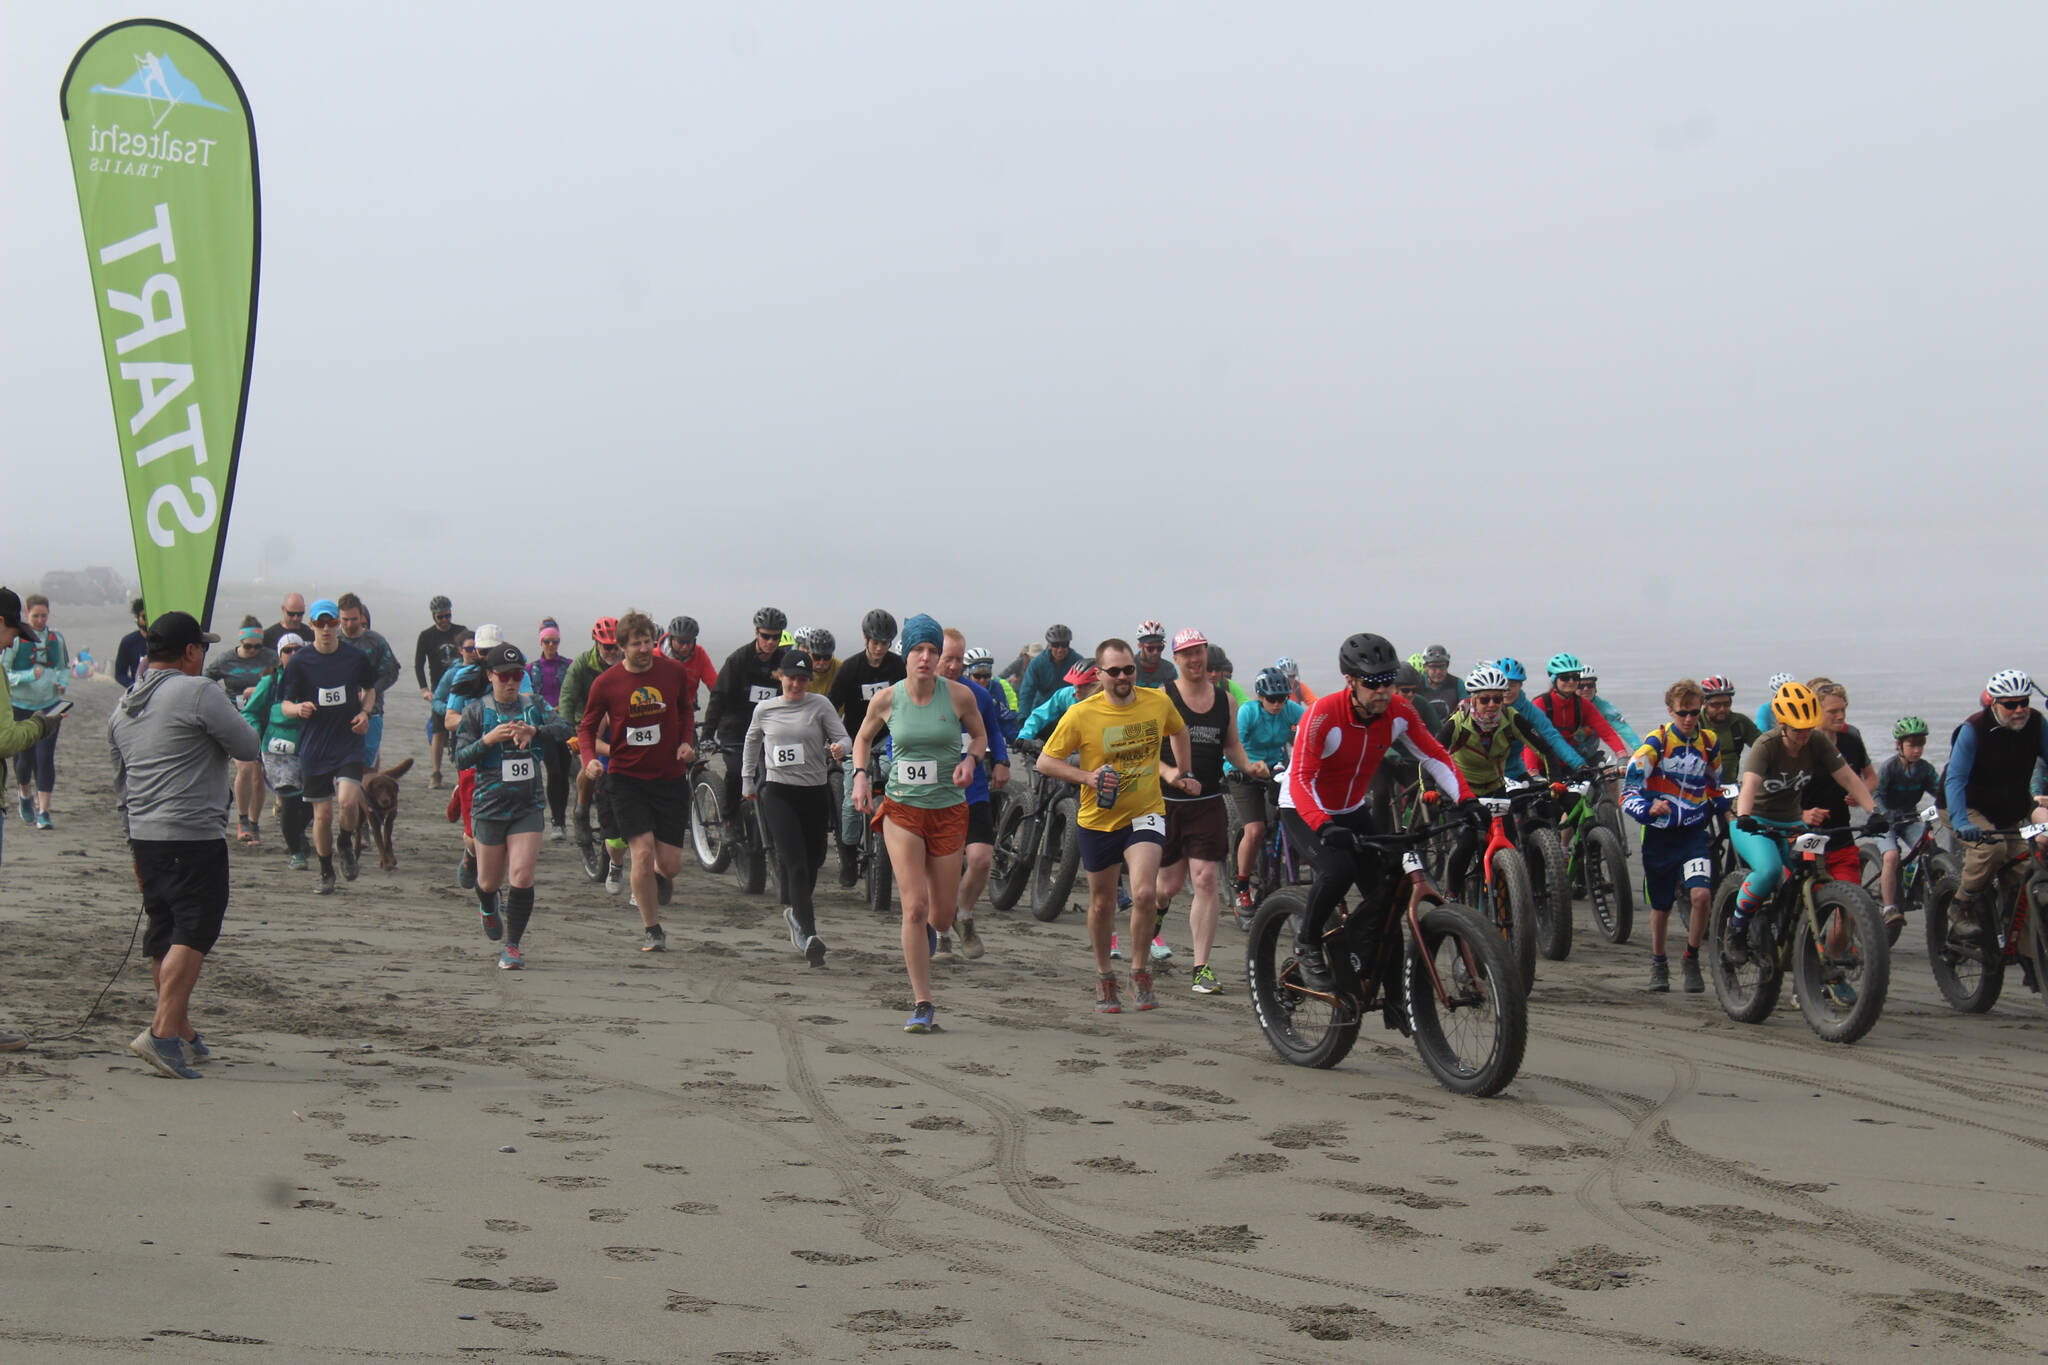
(1059,635)
(682,630)
(770,618)
(1365,655)
(878,625)
(1409,676)
(822,645)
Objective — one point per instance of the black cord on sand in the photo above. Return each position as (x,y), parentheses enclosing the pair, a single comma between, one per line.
(122,966)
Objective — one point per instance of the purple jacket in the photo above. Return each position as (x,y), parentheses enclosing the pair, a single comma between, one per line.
(546,676)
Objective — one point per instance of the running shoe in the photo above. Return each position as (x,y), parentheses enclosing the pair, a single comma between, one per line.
(942,951)
(12,1042)
(196,1050)
(434,782)
(28,810)
(556,833)
(1689,969)
(655,941)
(849,865)
(326,886)
(1116,949)
(167,1055)
(1141,991)
(43,820)
(1123,897)
(1660,978)
(1244,902)
(345,845)
(511,960)
(465,873)
(1105,996)
(796,931)
(1160,952)
(492,926)
(1205,980)
(1839,993)
(923,1019)
(581,815)
(614,879)
(814,950)
(297,862)
(970,939)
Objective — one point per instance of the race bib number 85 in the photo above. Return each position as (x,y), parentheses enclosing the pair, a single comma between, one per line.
(785,755)
(518,768)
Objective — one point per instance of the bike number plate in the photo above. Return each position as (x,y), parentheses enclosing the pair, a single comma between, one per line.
(1698,867)
(785,755)
(518,768)
(643,736)
(1496,805)
(1411,862)
(1150,824)
(1580,788)
(916,772)
(1810,843)
(2033,831)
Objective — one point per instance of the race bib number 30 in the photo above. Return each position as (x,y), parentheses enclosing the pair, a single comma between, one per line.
(643,736)
(518,768)
(916,772)
(333,696)
(785,755)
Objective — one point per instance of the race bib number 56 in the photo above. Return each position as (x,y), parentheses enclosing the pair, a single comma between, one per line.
(333,696)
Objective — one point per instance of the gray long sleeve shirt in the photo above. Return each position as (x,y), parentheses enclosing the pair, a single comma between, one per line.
(788,740)
(172,736)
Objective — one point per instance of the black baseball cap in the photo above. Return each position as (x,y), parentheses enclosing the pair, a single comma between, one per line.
(173,633)
(504,658)
(10,613)
(796,663)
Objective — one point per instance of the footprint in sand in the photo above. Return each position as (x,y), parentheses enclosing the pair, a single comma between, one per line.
(514,1322)
(505,1225)
(1376,1225)
(830,1258)
(1212,1237)
(1115,1164)
(1299,1137)
(1250,1163)
(573,1182)
(665,1168)
(872,1082)
(483,1253)
(632,1253)
(323,1159)
(939,1123)
(679,1302)
(692,1206)
(354,1182)
(1055,1114)
(1593,1268)
(1543,1191)
(1081,1065)
(609,1215)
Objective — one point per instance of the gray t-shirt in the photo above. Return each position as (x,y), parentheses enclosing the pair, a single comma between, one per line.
(172,736)
(786,743)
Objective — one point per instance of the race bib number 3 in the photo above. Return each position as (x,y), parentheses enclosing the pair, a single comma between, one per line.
(643,736)
(916,772)
(785,755)
(518,768)
(1150,824)
(333,696)
(758,694)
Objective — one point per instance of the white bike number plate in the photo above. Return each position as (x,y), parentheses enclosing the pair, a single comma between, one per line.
(916,772)
(518,768)
(2033,831)
(333,696)
(785,755)
(1411,862)
(758,694)
(869,691)
(1496,805)
(1579,788)
(1697,867)
(643,736)
(1731,792)
(283,746)
(1150,824)
(1810,843)
(1928,812)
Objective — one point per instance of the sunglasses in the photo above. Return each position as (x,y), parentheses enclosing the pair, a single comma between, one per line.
(1378,682)
(1686,714)
(471,649)
(1128,670)
(2012,703)
(508,675)
(288,649)
(774,636)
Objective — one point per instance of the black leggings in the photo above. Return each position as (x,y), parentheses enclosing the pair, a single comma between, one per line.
(561,768)
(38,763)
(797,821)
(1335,869)
(296,818)
(1469,843)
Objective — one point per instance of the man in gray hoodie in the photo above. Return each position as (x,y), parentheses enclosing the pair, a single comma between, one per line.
(173,736)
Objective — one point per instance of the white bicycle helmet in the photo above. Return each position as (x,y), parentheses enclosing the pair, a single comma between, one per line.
(2010,682)
(1486,678)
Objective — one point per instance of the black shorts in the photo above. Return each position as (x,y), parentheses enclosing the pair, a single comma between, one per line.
(981,826)
(1254,800)
(601,802)
(184,892)
(1196,829)
(659,806)
(320,786)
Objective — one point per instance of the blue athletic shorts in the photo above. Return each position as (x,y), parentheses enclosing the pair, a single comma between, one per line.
(1674,858)
(1105,849)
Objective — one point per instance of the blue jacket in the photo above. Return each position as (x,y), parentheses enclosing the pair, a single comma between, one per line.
(1041,721)
(1558,746)
(1045,677)
(1629,737)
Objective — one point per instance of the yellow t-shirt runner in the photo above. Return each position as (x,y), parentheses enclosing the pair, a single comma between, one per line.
(1128,739)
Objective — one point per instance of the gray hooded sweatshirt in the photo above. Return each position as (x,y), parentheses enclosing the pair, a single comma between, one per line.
(172,737)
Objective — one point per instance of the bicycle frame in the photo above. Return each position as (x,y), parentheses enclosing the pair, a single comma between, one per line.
(1348,988)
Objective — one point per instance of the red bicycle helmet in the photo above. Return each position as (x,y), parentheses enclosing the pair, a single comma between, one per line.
(606,631)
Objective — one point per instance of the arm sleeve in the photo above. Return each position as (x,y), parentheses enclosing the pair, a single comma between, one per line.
(1635,802)
(468,738)
(750,756)
(714,710)
(419,660)
(835,729)
(21,664)
(1547,737)
(586,727)
(1435,759)
(575,687)
(227,727)
(1596,720)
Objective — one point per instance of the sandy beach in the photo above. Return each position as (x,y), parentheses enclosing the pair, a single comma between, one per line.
(720,1154)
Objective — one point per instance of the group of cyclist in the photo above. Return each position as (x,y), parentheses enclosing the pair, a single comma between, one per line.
(916,727)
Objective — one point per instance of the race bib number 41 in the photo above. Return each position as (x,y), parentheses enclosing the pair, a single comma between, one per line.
(332,696)
(643,736)
(518,768)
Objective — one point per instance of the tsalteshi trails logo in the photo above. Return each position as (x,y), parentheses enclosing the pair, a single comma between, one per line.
(162,88)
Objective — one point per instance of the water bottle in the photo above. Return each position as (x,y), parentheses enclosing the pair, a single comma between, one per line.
(1105,791)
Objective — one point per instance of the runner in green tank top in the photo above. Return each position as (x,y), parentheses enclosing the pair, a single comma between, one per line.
(923,816)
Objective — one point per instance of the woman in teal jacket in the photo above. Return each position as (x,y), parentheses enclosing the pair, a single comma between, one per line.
(277,734)
(38,671)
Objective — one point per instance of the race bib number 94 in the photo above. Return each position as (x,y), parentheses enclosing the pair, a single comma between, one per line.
(518,768)
(332,696)
(916,772)
(643,736)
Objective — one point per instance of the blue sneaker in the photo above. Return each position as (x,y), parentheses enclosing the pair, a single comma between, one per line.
(511,960)
(197,1050)
(167,1055)
(465,875)
(28,811)
(492,927)
(43,820)
(923,1019)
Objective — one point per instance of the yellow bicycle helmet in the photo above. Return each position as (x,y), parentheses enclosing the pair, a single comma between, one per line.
(1795,707)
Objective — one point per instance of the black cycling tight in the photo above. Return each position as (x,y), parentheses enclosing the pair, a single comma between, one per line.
(1335,869)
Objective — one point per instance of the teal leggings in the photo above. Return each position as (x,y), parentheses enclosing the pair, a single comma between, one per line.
(1765,854)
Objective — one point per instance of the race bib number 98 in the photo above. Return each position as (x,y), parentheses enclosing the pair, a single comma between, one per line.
(916,772)
(518,768)
(643,736)
(785,755)
(333,696)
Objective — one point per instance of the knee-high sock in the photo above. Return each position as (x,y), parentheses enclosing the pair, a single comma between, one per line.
(518,910)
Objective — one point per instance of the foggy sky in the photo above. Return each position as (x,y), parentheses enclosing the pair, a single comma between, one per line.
(1624,321)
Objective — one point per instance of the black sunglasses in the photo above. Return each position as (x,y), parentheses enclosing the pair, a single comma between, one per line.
(1685,714)
(2013,703)
(1126,671)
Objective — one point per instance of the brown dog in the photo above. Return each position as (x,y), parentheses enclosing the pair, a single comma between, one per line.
(380,802)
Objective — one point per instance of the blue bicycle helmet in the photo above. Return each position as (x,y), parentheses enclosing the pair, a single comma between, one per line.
(1271,682)
(1512,669)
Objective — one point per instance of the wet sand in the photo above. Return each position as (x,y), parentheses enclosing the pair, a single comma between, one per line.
(720,1154)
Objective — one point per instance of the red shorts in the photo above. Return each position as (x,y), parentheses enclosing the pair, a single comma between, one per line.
(943,831)
(1846,865)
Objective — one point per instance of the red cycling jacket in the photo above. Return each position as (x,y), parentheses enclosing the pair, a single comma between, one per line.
(1571,714)
(1335,757)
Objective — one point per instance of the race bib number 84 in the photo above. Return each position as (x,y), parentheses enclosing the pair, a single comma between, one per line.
(643,736)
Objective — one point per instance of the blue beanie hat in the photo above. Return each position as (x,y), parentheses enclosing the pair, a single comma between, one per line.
(922,630)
